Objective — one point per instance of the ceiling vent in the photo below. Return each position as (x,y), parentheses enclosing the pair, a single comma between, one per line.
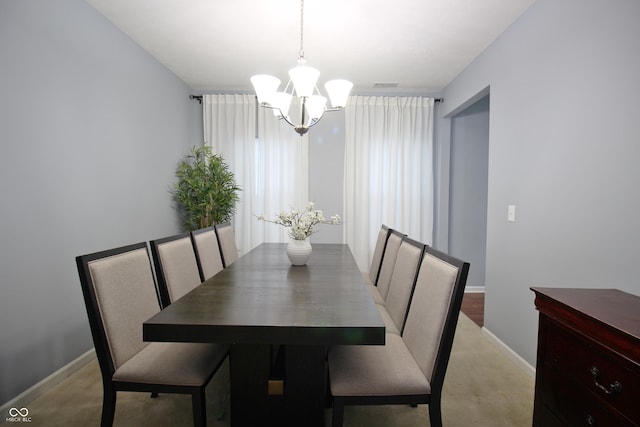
(384,85)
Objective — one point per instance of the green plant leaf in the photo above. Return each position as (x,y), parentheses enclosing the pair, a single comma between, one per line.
(206,192)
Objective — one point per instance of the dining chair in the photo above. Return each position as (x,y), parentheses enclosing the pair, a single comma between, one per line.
(120,294)
(410,368)
(208,256)
(403,280)
(176,267)
(381,288)
(227,242)
(371,276)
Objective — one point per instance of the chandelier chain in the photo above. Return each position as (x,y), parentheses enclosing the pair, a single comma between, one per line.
(301,54)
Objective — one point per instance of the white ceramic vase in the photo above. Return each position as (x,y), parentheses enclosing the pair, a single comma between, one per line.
(299,251)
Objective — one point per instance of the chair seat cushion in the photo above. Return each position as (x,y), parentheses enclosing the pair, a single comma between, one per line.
(184,364)
(375,293)
(390,326)
(376,370)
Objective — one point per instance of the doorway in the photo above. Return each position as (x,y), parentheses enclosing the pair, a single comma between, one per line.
(469,172)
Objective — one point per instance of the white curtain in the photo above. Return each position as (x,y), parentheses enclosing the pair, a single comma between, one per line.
(270,162)
(388,170)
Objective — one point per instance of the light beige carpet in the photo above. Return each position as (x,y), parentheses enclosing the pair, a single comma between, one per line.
(483,387)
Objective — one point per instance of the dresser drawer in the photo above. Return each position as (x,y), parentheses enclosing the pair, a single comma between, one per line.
(599,374)
(573,404)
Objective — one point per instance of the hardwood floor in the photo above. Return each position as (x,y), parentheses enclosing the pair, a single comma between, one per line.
(473,307)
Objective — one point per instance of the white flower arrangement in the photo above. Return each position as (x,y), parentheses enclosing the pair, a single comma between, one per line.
(301,223)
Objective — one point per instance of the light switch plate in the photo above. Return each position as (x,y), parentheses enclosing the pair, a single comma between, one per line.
(511,213)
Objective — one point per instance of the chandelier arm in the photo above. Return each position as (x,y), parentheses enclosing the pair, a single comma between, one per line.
(286,119)
(281,116)
(314,122)
(267,105)
(287,87)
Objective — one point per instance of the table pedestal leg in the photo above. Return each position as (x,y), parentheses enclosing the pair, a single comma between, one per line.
(305,374)
(250,367)
(305,385)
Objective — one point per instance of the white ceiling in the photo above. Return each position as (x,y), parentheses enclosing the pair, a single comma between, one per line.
(217,45)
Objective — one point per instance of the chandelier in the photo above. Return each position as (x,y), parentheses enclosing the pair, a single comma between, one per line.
(310,105)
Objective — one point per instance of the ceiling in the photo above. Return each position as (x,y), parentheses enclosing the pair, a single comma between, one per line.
(217,45)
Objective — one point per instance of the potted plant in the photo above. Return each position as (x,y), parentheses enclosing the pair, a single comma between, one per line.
(206,191)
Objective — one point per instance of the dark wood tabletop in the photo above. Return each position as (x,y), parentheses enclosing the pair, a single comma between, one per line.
(279,319)
(261,298)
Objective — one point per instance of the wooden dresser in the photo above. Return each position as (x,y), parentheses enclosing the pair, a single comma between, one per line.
(588,366)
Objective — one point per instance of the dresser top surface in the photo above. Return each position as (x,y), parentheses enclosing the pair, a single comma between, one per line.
(612,307)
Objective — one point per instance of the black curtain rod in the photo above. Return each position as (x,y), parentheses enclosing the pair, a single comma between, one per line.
(199,98)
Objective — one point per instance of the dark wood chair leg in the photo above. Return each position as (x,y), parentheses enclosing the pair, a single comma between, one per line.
(435,413)
(338,412)
(199,408)
(108,406)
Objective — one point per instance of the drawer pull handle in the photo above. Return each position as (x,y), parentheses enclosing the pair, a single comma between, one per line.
(590,421)
(615,387)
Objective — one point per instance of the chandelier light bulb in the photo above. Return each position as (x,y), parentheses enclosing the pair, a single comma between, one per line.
(338,91)
(280,101)
(265,86)
(304,79)
(316,105)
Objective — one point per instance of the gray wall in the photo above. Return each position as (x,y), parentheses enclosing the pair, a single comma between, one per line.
(564,149)
(468,188)
(91,130)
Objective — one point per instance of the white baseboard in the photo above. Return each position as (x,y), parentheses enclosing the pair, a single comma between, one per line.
(474,289)
(515,357)
(23,399)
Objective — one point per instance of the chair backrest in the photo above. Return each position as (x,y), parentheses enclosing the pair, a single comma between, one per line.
(208,256)
(388,262)
(378,251)
(176,266)
(403,280)
(227,242)
(119,295)
(433,313)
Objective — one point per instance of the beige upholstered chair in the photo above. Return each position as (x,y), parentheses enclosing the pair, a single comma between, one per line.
(371,276)
(176,266)
(381,288)
(227,242)
(401,287)
(207,251)
(410,368)
(120,294)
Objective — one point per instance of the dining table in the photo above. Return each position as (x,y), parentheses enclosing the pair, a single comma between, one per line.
(280,321)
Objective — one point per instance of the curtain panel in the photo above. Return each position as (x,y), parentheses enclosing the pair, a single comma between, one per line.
(388,170)
(269,160)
